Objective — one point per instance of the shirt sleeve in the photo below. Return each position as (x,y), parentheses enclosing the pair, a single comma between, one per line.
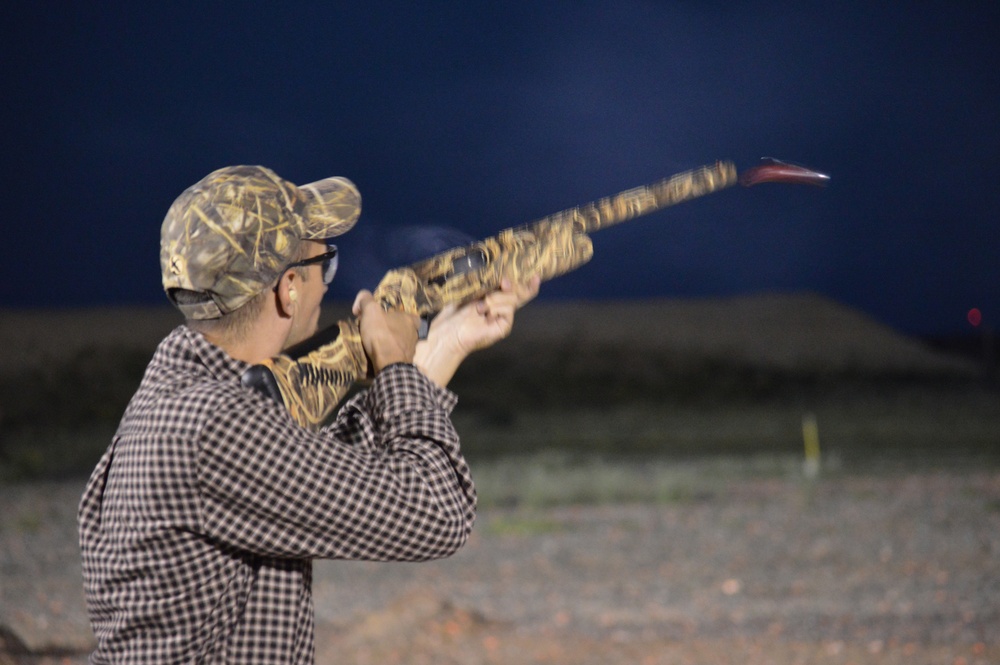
(386,482)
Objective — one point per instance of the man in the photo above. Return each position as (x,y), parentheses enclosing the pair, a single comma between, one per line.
(199,523)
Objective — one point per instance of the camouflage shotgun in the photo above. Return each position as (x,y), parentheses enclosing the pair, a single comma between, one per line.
(312,377)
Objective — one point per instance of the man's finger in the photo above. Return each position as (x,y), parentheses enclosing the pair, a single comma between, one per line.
(361,301)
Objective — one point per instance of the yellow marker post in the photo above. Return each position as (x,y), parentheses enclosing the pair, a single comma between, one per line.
(810,437)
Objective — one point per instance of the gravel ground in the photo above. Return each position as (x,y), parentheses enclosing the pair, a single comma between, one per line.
(887,568)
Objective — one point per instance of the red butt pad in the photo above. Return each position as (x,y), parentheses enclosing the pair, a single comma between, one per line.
(774,171)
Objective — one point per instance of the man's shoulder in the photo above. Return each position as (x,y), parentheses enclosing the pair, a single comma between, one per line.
(187,381)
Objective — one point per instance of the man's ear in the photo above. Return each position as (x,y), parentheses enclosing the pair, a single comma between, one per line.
(287,294)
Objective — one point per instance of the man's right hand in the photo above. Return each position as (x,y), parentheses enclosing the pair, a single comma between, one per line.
(388,337)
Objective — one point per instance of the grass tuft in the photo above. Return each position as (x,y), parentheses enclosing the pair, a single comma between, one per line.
(552,478)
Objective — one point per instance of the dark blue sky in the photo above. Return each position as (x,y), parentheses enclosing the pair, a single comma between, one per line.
(466,118)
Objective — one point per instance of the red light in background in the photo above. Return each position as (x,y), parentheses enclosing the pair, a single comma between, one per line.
(975,316)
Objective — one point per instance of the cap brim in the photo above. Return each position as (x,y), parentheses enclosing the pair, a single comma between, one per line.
(333,206)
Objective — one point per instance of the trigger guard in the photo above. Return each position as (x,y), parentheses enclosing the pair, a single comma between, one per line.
(425,326)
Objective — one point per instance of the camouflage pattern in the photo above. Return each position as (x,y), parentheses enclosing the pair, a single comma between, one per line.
(231,235)
(312,385)
(549,247)
(546,249)
(313,382)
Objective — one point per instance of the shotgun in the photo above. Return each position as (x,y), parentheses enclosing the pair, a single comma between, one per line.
(312,377)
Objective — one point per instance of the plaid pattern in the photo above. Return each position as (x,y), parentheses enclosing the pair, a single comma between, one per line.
(199,523)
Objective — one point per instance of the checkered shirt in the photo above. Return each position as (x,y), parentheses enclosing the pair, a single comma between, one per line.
(200,522)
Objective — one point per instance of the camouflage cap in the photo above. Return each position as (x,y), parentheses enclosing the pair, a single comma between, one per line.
(230,235)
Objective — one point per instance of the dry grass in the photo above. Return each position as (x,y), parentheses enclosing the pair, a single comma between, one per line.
(730,376)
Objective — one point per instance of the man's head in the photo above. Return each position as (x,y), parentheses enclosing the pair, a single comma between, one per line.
(229,237)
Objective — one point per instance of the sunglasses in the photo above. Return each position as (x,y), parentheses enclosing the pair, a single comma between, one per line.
(328,259)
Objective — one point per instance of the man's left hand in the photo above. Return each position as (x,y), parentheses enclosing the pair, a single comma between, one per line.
(458,331)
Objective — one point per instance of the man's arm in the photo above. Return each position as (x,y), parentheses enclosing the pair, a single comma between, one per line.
(386,482)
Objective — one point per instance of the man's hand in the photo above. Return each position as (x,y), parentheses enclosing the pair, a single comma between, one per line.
(388,337)
(458,331)
(493,318)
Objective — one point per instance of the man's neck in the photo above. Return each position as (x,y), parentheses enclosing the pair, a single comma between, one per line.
(252,350)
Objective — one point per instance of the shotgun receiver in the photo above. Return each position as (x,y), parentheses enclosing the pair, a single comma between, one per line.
(312,377)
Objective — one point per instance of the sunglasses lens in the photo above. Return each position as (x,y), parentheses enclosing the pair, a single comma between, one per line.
(330,267)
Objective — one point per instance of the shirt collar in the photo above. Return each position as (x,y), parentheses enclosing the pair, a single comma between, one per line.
(220,364)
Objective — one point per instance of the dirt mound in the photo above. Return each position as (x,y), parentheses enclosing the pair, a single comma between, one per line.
(799,331)
(418,622)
